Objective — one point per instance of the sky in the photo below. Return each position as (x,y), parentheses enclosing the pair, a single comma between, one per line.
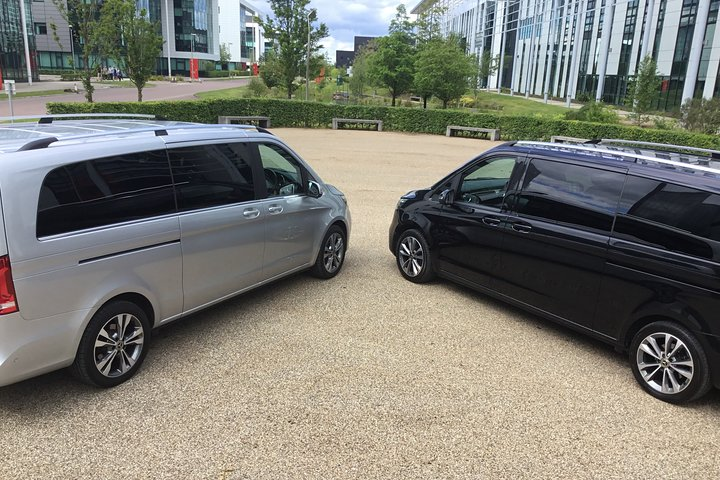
(347,19)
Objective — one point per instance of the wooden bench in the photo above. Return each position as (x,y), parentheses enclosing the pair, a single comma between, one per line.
(263,122)
(564,139)
(492,133)
(337,121)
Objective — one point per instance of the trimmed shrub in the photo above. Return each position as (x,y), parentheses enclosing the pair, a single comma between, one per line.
(286,113)
(594,112)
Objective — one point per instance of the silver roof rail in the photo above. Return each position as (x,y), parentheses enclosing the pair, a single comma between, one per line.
(595,148)
(48,118)
(616,141)
(159,130)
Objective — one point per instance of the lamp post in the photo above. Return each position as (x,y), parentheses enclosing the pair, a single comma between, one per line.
(26,41)
(307,59)
(167,34)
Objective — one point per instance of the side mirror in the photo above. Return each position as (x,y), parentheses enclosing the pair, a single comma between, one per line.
(314,189)
(447,197)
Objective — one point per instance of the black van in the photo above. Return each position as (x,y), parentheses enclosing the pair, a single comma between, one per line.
(615,239)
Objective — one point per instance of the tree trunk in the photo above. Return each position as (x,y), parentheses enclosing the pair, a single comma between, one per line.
(393,100)
(445,102)
(425,102)
(139,89)
(87,85)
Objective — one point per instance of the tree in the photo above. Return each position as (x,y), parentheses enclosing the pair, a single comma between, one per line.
(428,25)
(401,23)
(289,30)
(359,78)
(487,66)
(392,64)
(132,40)
(83,16)
(644,89)
(271,71)
(701,115)
(225,55)
(443,70)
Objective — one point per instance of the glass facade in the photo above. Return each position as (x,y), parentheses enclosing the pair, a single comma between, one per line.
(12,46)
(192,26)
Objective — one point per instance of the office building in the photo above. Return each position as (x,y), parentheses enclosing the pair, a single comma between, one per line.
(590,49)
(345,58)
(241,33)
(189,27)
(13,60)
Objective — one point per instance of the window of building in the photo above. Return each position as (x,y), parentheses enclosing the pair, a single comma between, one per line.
(570,194)
(669,216)
(211,175)
(105,191)
(40,28)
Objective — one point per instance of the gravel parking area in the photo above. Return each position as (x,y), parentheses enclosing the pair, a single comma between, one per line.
(363,376)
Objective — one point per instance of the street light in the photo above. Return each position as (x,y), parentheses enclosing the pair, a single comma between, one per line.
(307,59)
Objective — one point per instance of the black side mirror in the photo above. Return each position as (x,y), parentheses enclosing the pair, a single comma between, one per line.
(314,189)
(447,197)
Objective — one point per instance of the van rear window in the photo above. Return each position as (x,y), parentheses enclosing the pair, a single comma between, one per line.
(105,191)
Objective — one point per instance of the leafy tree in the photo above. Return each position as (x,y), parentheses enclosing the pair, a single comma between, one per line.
(132,40)
(83,16)
(701,115)
(271,70)
(402,23)
(392,64)
(428,25)
(359,78)
(289,30)
(644,89)
(443,70)
(487,66)
(225,55)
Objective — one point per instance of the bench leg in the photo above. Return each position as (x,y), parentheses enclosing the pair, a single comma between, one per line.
(448,132)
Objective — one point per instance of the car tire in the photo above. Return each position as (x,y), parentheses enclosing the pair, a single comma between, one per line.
(113,345)
(414,261)
(669,362)
(331,256)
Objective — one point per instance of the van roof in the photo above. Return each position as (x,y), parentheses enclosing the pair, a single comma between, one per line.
(30,135)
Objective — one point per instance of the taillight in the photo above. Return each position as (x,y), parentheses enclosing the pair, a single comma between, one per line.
(8,303)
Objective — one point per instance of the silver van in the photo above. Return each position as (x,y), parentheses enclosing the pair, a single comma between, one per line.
(110,228)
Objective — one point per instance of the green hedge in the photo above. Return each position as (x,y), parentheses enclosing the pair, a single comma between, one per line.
(285,113)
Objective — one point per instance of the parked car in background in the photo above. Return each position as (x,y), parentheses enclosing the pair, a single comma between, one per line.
(110,228)
(618,240)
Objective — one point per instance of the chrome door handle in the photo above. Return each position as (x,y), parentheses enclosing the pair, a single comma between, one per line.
(490,221)
(251,213)
(275,209)
(521,227)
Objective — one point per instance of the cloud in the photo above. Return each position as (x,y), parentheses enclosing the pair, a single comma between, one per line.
(345,20)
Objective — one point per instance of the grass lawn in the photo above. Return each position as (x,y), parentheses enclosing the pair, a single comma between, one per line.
(39,93)
(224,94)
(516,105)
(487,102)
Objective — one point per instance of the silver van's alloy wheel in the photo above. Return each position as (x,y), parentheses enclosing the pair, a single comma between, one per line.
(333,252)
(665,363)
(118,345)
(412,256)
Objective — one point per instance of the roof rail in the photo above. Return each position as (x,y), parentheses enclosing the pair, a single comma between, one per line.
(593,148)
(48,118)
(159,130)
(715,154)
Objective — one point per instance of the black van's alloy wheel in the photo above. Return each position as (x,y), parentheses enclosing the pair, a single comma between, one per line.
(332,254)
(669,363)
(413,257)
(113,345)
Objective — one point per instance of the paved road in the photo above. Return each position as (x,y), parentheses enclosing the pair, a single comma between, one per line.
(106,93)
(365,376)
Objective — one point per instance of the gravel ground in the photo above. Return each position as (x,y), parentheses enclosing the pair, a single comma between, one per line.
(363,376)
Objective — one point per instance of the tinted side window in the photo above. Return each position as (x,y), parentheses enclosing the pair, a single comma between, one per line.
(669,216)
(571,194)
(105,191)
(283,175)
(486,182)
(211,175)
